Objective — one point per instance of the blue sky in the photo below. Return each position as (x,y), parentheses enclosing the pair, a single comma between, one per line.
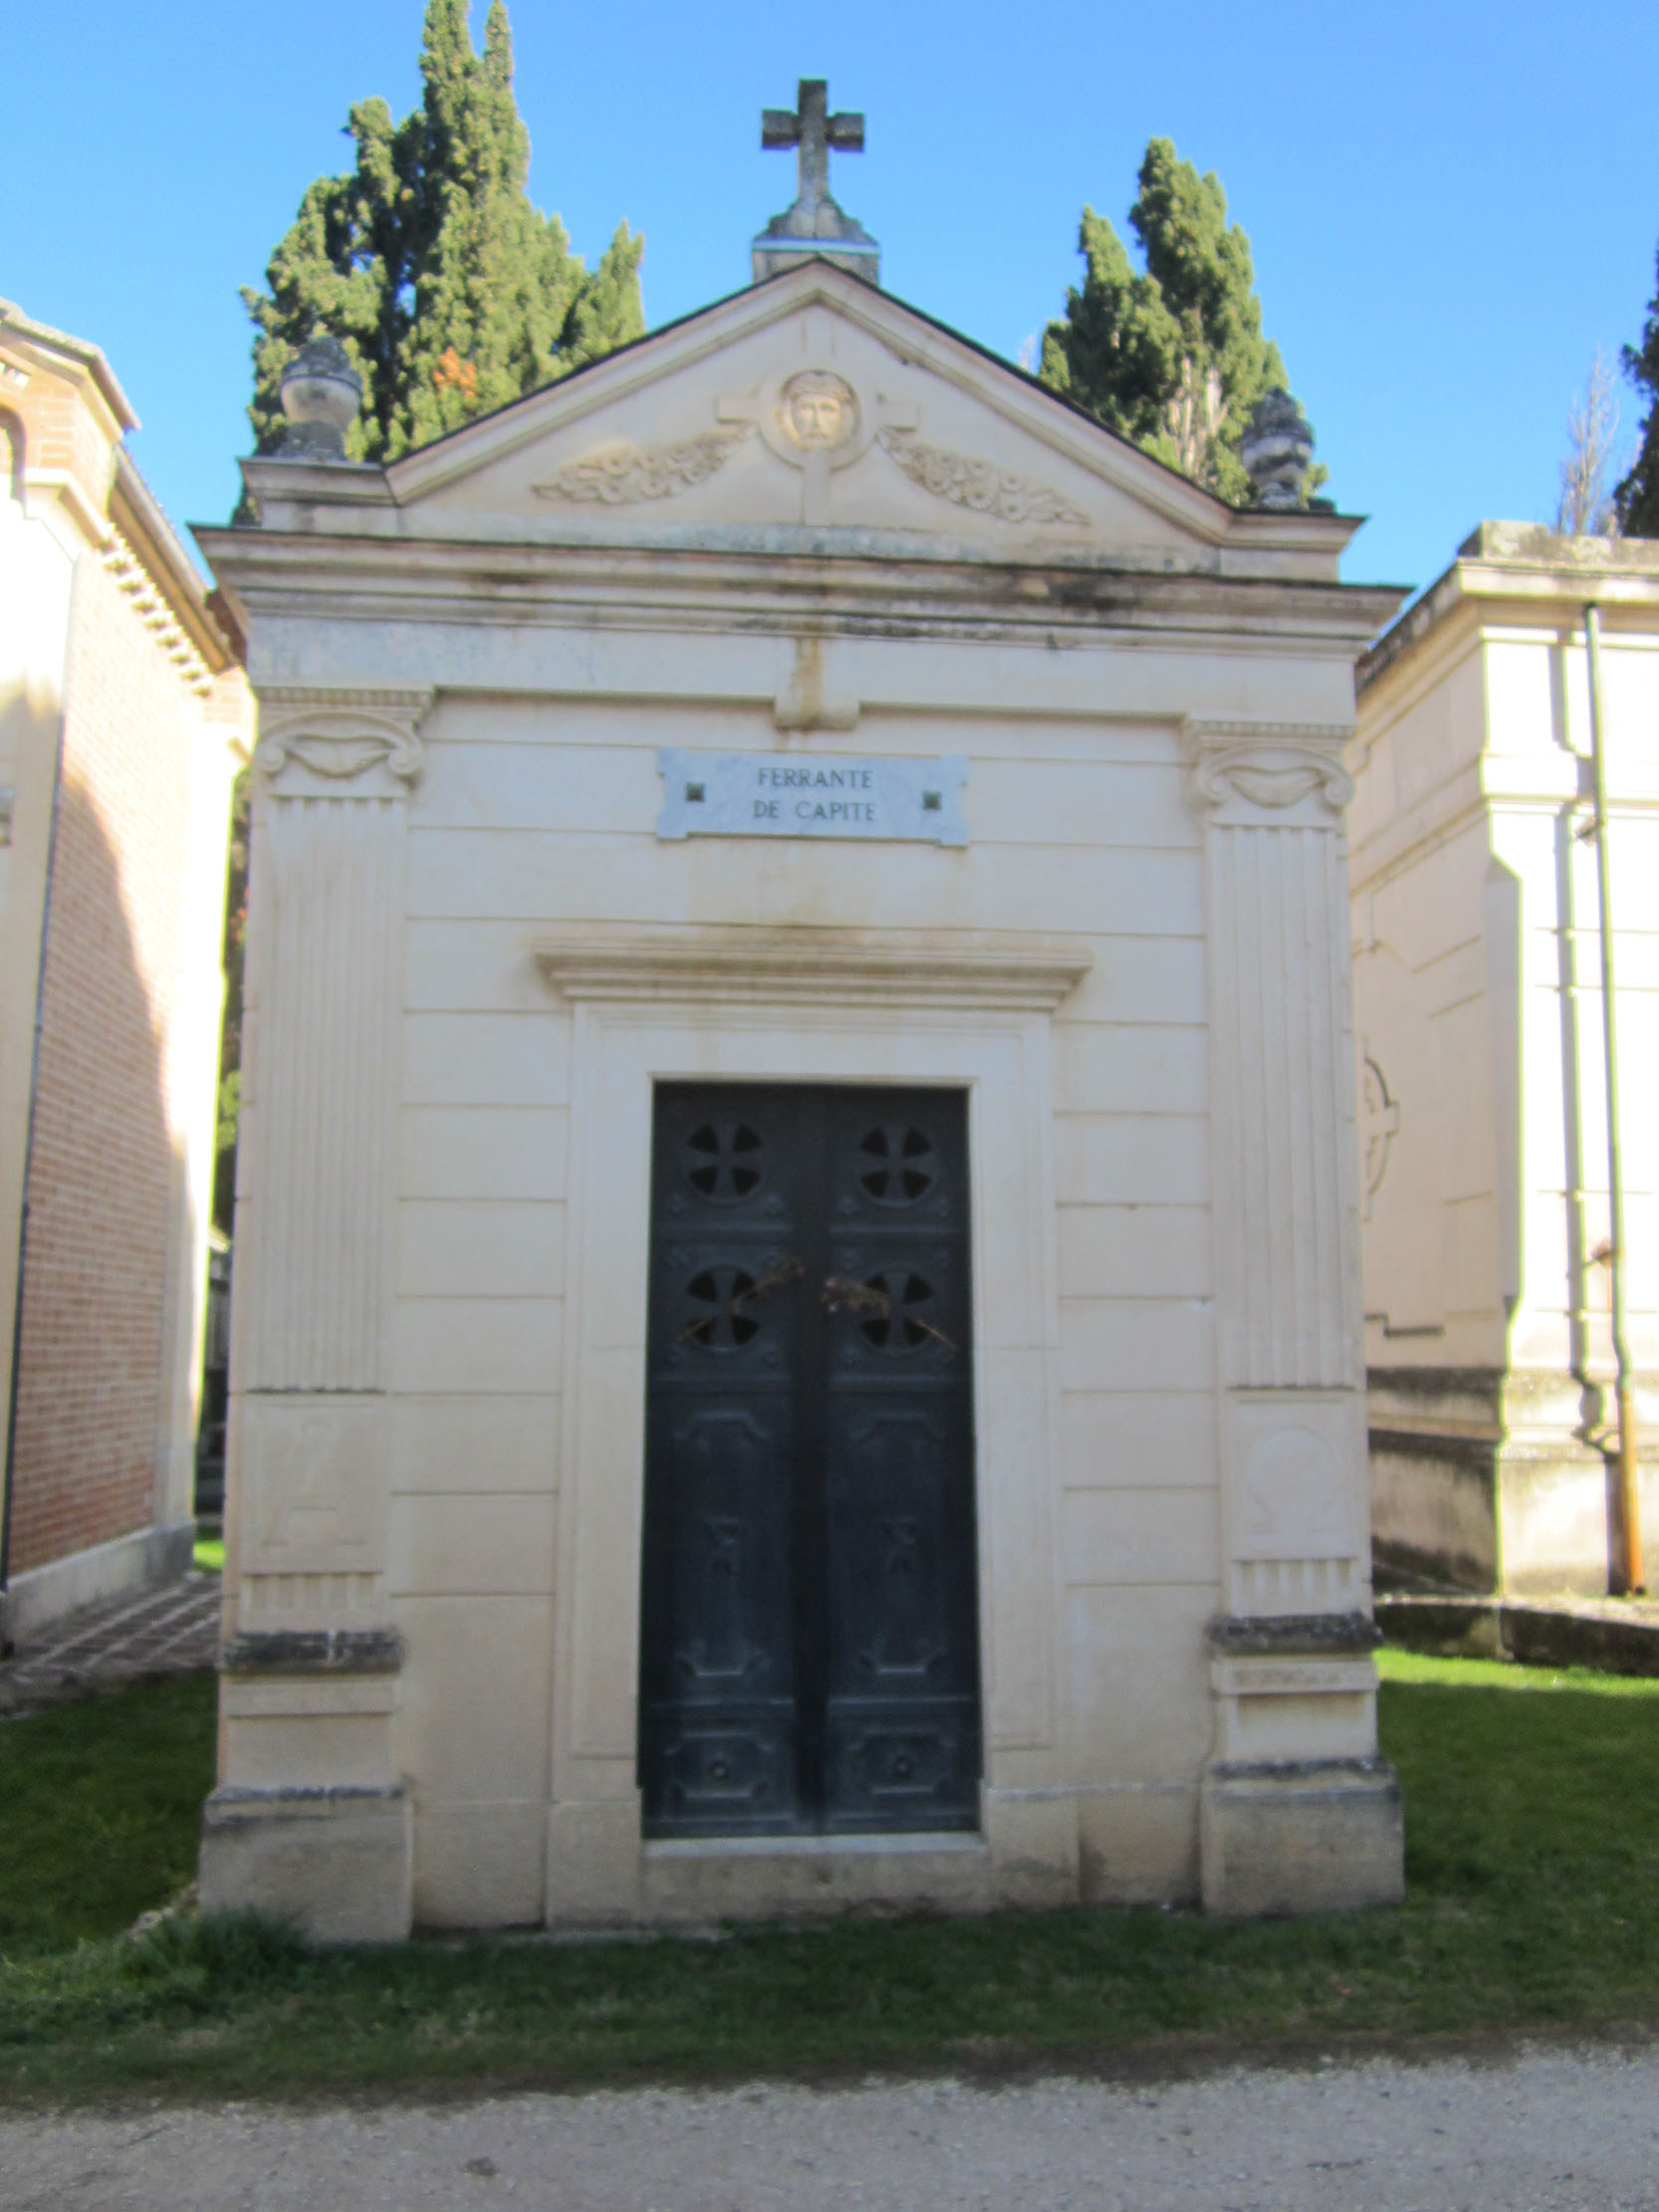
(1451,207)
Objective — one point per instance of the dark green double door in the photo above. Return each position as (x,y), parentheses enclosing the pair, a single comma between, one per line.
(809,1646)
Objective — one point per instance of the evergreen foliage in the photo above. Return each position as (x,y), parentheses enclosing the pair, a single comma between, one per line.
(230,1026)
(1638,498)
(451,293)
(1172,357)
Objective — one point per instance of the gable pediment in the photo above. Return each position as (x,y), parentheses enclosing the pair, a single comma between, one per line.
(810,401)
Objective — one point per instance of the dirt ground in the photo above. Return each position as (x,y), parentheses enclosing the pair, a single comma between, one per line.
(1526,2133)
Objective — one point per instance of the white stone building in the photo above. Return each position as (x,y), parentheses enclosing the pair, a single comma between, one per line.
(1477,1015)
(797,1327)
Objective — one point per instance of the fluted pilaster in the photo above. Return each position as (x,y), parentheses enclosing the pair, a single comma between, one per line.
(1283,1191)
(1295,1812)
(314,1219)
(326,932)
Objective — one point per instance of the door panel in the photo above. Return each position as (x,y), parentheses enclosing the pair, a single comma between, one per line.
(718,1735)
(809,1640)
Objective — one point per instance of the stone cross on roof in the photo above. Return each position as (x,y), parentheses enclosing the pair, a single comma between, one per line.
(815,224)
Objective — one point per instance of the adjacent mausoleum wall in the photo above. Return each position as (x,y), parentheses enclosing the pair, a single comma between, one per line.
(123,709)
(1478,1020)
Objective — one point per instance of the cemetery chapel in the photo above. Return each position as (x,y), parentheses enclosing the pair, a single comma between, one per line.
(797,1324)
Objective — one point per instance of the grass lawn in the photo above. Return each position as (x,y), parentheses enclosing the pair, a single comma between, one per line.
(1533,1847)
(99,1805)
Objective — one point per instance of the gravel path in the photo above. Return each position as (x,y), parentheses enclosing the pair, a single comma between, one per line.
(1542,2130)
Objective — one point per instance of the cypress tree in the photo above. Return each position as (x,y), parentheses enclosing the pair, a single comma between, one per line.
(1638,498)
(1172,357)
(451,293)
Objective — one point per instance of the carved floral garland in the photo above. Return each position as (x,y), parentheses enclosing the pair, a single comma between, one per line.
(979,485)
(630,472)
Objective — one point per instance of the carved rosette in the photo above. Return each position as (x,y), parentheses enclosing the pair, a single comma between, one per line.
(1258,770)
(340,742)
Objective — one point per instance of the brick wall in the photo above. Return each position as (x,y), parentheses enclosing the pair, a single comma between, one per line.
(102,1173)
(64,433)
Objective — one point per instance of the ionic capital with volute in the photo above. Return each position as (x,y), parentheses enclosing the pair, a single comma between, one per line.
(341,741)
(1245,771)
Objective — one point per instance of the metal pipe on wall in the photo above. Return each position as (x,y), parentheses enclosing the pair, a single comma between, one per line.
(1629,1477)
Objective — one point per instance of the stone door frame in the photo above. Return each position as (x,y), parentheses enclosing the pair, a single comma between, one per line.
(965,1022)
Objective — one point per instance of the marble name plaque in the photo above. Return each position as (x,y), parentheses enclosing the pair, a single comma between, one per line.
(770,794)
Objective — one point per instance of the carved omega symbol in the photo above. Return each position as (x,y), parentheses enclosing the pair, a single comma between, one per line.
(1381,1121)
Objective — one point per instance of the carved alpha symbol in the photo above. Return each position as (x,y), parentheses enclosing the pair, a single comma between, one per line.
(315,1478)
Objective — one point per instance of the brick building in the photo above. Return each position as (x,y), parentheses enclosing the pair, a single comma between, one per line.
(123,711)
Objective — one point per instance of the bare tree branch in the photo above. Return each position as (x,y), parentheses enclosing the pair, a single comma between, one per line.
(1585,507)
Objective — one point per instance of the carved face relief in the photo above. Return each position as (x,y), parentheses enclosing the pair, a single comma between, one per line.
(818,410)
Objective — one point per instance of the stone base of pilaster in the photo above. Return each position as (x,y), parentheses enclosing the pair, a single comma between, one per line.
(311,1820)
(338,1864)
(1482,1480)
(1300,1836)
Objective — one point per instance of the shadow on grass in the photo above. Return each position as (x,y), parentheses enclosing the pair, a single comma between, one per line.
(1533,1827)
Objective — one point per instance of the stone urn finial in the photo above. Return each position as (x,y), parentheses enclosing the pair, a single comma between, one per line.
(1276,449)
(321,393)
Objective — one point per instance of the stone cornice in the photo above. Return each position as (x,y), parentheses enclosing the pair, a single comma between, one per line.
(340,738)
(840,966)
(843,584)
(1519,574)
(137,516)
(77,360)
(155,607)
(1267,766)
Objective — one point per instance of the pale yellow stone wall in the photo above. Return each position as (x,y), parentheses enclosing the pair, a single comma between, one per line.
(462,709)
(1478,996)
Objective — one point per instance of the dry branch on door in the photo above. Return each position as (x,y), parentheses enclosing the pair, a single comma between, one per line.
(775,1277)
(846,1294)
